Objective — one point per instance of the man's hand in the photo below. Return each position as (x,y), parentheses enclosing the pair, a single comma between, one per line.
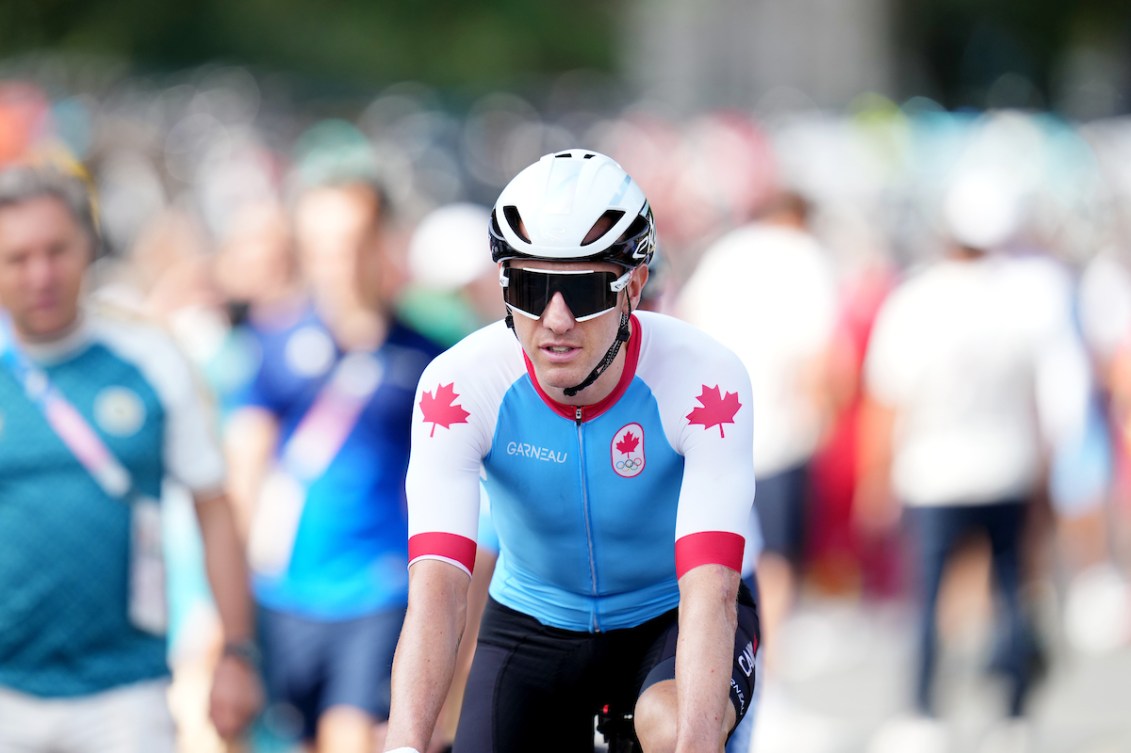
(236,698)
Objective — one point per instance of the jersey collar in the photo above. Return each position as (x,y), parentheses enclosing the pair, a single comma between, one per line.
(64,347)
(589,412)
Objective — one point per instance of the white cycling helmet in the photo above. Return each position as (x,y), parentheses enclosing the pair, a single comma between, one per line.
(549,209)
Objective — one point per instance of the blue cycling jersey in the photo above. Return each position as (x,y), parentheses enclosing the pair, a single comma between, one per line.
(599,509)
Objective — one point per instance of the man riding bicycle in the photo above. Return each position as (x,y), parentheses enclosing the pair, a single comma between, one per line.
(615,448)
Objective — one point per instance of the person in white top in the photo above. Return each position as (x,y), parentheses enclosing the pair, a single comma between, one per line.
(954,430)
(767,291)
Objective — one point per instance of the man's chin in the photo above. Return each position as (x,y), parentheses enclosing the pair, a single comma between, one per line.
(559,378)
(45,329)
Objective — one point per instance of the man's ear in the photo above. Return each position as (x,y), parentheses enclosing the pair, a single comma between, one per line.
(636,285)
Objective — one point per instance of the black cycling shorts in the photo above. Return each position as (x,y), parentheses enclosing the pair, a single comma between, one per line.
(534,687)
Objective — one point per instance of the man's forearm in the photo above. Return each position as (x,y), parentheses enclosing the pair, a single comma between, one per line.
(249,443)
(705,655)
(426,653)
(226,567)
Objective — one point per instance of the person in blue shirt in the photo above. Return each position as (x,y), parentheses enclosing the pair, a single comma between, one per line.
(96,411)
(320,447)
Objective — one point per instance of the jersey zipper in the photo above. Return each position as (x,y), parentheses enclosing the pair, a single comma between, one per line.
(588,516)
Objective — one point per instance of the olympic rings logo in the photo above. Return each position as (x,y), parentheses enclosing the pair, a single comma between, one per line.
(626,451)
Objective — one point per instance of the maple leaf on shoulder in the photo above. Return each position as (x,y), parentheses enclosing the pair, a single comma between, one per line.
(715,409)
(439,409)
(628,443)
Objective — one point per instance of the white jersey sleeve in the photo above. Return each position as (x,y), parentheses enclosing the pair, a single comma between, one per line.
(704,396)
(453,423)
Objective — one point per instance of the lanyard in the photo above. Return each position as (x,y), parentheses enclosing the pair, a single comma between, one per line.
(332,416)
(63,418)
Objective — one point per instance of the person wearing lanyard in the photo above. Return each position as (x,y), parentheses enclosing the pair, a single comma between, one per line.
(319,445)
(96,412)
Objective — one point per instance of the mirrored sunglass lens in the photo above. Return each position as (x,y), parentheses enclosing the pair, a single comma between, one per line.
(585,293)
(589,294)
(526,293)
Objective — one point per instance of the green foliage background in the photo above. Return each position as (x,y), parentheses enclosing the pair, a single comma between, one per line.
(949,49)
(446,43)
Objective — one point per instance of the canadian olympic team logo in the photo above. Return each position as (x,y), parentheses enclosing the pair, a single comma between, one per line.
(627,450)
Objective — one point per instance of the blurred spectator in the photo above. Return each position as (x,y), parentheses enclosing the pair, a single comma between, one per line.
(319,450)
(166,276)
(454,286)
(1098,599)
(840,562)
(256,273)
(953,429)
(205,299)
(107,405)
(766,290)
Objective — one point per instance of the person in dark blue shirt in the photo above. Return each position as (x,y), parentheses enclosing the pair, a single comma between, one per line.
(320,444)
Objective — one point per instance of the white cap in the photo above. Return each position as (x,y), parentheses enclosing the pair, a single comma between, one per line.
(449,248)
(984,209)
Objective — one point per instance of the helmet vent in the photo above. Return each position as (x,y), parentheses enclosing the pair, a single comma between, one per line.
(607,220)
(638,226)
(515,221)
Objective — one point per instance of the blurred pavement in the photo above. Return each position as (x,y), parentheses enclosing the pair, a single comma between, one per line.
(846,671)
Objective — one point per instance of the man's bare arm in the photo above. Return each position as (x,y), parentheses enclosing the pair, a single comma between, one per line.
(708,619)
(426,653)
(236,693)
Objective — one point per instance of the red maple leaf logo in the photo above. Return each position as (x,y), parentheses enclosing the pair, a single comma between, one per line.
(716,410)
(439,410)
(628,443)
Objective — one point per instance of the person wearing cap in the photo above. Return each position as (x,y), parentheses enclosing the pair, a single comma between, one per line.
(959,436)
(615,446)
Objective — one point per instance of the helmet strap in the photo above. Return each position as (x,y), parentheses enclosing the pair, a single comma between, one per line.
(610,355)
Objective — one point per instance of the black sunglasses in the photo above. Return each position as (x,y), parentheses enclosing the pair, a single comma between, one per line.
(587,292)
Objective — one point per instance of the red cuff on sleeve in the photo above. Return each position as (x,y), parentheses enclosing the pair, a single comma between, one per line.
(709,548)
(448,546)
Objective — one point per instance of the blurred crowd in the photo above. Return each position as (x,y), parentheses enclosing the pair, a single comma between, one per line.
(793,235)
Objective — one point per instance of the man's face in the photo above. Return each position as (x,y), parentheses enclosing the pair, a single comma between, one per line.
(44,253)
(564,350)
(335,229)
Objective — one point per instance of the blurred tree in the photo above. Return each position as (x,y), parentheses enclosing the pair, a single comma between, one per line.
(963,53)
(443,42)
(980,53)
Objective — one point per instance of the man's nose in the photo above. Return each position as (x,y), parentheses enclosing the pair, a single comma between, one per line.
(41,271)
(557,317)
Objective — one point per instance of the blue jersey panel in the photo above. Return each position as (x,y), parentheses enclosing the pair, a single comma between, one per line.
(585,511)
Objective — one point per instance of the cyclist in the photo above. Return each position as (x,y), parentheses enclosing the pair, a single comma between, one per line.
(616,450)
